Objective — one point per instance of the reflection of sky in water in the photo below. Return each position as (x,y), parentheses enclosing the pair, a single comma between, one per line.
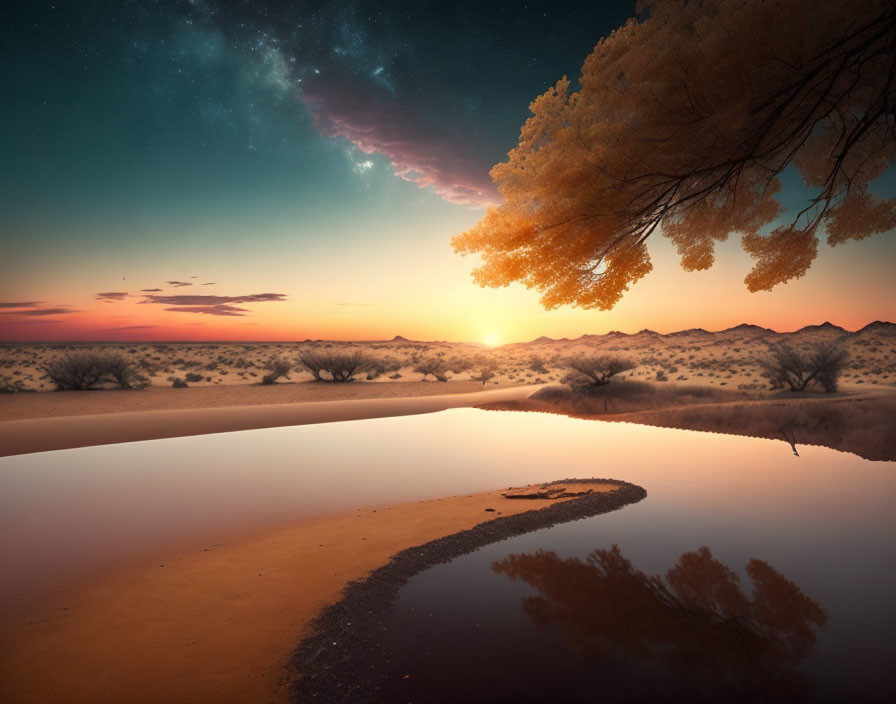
(824,519)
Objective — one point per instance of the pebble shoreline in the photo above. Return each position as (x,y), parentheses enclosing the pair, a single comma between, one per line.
(328,665)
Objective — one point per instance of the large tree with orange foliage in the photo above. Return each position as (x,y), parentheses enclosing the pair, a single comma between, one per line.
(685,119)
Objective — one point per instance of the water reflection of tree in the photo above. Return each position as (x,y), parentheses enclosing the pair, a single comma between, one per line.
(696,623)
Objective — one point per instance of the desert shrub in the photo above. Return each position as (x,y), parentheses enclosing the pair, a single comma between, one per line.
(458,364)
(192,377)
(485,370)
(822,365)
(339,366)
(595,370)
(15,386)
(179,383)
(432,366)
(661,375)
(382,365)
(536,364)
(79,371)
(279,367)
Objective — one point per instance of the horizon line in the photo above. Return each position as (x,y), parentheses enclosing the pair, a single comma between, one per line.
(455,342)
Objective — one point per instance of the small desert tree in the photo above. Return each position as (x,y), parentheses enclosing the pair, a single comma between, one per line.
(279,367)
(595,369)
(484,370)
(799,370)
(432,366)
(80,371)
(341,366)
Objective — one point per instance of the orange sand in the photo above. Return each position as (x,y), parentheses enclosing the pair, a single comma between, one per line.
(217,623)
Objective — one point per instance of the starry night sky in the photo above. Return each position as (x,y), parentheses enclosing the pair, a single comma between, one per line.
(237,96)
(319,150)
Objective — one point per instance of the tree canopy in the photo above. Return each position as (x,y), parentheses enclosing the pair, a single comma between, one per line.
(685,119)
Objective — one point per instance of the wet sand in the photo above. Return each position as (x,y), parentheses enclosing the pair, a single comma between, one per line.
(218,623)
(54,432)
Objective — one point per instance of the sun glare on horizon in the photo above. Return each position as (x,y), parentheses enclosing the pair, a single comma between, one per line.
(492,339)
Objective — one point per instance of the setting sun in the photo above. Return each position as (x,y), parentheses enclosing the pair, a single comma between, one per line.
(492,339)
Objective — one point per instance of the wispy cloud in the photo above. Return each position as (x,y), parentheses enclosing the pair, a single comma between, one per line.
(178,284)
(32,322)
(111,296)
(197,300)
(212,305)
(209,283)
(421,150)
(22,304)
(42,311)
(130,327)
(221,309)
(149,290)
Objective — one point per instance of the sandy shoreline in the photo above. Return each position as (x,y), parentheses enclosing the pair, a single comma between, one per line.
(49,404)
(219,623)
(42,434)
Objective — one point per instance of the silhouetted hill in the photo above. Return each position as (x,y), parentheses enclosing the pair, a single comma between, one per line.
(824,327)
(746,327)
(879,326)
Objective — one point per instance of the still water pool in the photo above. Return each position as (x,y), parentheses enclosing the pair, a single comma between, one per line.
(793,596)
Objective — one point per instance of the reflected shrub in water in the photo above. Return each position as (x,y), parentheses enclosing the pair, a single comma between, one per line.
(696,622)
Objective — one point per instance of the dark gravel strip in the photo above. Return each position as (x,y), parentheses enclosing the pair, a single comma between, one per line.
(329,666)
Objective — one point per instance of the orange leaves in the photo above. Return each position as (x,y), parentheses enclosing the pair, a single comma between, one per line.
(683,124)
(860,215)
(785,254)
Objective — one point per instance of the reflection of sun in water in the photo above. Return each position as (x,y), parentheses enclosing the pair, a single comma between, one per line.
(492,339)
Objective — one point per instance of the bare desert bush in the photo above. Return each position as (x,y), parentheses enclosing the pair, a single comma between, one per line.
(336,365)
(380,366)
(536,364)
(459,364)
(432,366)
(821,365)
(595,369)
(279,367)
(79,371)
(484,369)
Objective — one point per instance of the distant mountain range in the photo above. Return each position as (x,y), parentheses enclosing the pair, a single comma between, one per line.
(743,330)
